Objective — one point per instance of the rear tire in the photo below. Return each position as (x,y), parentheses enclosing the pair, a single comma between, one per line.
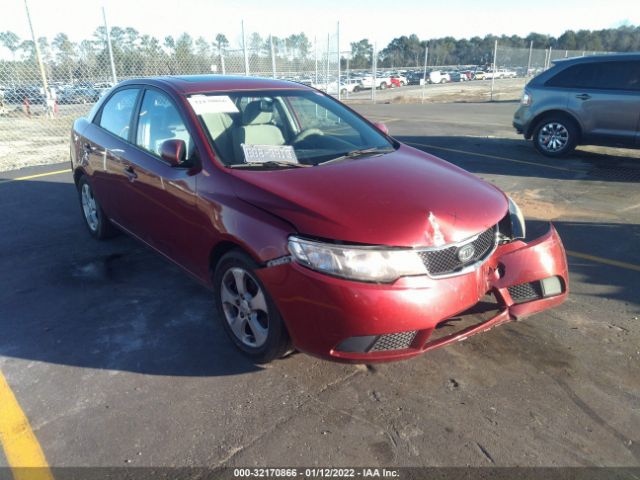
(95,220)
(555,136)
(383,86)
(246,310)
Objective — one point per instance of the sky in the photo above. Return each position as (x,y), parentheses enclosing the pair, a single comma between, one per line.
(378,20)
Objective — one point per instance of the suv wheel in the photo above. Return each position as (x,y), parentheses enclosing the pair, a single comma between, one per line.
(246,310)
(555,136)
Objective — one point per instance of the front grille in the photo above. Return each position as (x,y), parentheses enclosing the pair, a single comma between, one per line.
(445,260)
(393,341)
(525,292)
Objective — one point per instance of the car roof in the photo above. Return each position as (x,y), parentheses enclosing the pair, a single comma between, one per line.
(190,84)
(605,57)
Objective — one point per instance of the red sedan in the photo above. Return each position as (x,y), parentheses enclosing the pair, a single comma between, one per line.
(314,228)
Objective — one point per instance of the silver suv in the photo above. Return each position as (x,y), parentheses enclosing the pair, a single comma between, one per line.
(591,100)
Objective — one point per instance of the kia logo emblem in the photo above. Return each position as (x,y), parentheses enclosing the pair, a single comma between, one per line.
(466,252)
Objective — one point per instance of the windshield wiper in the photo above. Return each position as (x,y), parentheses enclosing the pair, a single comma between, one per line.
(363,152)
(269,164)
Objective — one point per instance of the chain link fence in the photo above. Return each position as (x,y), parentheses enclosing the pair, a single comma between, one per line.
(44,88)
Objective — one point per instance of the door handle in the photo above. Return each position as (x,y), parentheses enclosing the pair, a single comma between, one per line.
(130,173)
(583,96)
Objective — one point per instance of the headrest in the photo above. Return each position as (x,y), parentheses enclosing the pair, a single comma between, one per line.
(258,113)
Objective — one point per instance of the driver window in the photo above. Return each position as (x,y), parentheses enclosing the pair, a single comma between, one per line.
(158,121)
(116,113)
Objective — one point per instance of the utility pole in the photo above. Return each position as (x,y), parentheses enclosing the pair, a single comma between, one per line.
(530,53)
(106,29)
(43,73)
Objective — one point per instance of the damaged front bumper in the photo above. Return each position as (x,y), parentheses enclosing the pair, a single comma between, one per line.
(352,321)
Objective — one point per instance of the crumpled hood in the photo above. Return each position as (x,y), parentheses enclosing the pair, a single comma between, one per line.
(404,198)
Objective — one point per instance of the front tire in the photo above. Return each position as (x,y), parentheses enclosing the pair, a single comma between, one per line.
(96,221)
(555,136)
(383,86)
(246,310)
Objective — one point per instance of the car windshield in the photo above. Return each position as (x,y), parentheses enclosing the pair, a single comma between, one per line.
(284,129)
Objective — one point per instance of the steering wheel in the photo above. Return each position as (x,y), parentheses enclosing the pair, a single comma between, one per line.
(307,133)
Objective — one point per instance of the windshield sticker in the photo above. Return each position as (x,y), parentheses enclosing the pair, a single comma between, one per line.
(212,104)
(269,153)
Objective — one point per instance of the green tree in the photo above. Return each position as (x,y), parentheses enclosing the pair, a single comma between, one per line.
(11,42)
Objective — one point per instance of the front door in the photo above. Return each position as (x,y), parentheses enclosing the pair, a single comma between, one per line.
(161,204)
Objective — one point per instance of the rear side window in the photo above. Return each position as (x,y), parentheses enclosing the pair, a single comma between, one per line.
(604,75)
(116,113)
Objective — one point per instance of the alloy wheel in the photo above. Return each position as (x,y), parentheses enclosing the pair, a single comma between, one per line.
(245,307)
(89,207)
(553,137)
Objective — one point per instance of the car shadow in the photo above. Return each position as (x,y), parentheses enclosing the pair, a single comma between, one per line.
(509,156)
(66,298)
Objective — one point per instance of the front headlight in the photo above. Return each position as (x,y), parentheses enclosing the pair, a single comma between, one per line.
(369,264)
(518,228)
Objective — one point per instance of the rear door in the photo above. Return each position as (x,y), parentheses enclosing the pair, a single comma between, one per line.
(105,146)
(605,97)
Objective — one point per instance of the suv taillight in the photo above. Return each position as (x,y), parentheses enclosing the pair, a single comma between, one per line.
(526,98)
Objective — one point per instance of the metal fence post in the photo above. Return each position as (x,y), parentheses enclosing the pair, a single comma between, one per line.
(374,71)
(273,56)
(326,76)
(315,42)
(244,47)
(222,61)
(43,73)
(495,68)
(549,59)
(424,74)
(106,29)
(530,53)
(338,54)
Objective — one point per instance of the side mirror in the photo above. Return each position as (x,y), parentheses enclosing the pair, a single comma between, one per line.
(382,127)
(173,151)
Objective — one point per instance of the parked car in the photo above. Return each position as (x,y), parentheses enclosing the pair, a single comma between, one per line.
(394,82)
(468,74)
(17,95)
(479,74)
(255,187)
(507,73)
(352,85)
(402,80)
(592,100)
(78,95)
(438,76)
(416,78)
(379,82)
(456,76)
